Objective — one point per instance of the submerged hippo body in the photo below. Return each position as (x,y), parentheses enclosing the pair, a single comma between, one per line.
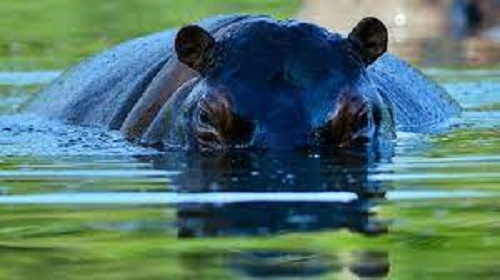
(250,81)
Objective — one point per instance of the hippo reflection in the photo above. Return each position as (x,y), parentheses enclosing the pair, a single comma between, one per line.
(285,264)
(265,218)
(277,173)
(234,82)
(262,264)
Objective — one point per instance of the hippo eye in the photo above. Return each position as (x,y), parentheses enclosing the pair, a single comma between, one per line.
(204,118)
(218,125)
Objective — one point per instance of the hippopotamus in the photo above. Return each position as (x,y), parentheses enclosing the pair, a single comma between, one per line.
(248,81)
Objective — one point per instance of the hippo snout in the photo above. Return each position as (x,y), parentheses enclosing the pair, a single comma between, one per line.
(353,121)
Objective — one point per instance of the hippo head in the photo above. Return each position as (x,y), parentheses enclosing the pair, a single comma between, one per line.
(280,84)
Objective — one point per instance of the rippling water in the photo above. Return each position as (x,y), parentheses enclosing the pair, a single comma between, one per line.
(79,201)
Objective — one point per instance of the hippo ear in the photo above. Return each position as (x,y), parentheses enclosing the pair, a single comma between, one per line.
(371,36)
(194,46)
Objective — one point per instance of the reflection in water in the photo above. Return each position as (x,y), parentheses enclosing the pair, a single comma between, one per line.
(260,264)
(424,168)
(285,171)
(346,171)
(283,264)
(243,219)
(342,170)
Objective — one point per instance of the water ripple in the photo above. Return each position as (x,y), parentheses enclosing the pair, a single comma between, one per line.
(155,198)
(78,174)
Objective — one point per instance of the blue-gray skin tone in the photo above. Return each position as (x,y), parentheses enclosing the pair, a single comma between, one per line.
(251,82)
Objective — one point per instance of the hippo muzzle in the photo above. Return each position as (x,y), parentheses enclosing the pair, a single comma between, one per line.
(213,122)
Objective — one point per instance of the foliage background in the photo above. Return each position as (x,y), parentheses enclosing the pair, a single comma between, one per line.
(52,34)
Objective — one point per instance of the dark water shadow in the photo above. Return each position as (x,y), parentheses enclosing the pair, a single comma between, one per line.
(254,264)
(276,172)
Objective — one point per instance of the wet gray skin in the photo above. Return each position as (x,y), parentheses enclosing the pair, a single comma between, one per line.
(245,81)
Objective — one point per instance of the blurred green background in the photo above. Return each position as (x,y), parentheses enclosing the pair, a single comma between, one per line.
(52,34)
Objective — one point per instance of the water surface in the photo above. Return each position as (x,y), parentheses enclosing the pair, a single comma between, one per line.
(82,201)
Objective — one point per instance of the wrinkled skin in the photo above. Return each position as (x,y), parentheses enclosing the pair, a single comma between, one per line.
(252,82)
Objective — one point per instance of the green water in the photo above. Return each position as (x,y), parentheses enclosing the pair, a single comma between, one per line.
(427,209)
